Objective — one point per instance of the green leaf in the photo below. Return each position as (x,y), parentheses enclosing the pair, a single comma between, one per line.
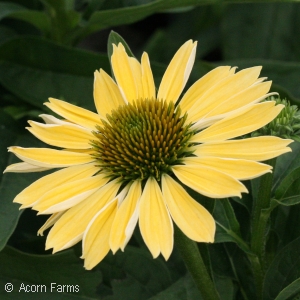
(285,225)
(35,69)
(115,38)
(225,287)
(284,270)
(261,30)
(8,212)
(220,262)
(145,275)
(64,20)
(292,289)
(7,8)
(120,16)
(36,18)
(228,229)
(51,272)
(228,216)
(63,5)
(164,42)
(285,164)
(8,134)
(183,289)
(287,186)
(6,33)
(242,270)
(12,184)
(127,15)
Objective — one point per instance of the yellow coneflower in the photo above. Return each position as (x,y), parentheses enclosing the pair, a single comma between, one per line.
(128,162)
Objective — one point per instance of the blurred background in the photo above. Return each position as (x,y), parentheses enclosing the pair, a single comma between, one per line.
(51,48)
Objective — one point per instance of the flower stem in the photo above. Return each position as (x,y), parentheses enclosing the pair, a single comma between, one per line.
(260,219)
(195,265)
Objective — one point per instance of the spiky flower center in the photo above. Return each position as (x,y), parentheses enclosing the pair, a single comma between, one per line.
(142,139)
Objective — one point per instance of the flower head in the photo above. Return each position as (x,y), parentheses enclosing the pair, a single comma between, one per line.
(285,125)
(128,163)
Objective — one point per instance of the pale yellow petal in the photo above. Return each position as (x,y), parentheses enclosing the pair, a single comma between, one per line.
(64,136)
(155,223)
(251,118)
(127,208)
(190,216)
(124,74)
(177,73)
(221,91)
(209,182)
(205,122)
(202,85)
(24,167)
(147,78)
(95,244)
(41,186)
(106,94)
(75,114)
(49,119)
(69,229)
(50,158)
(238,168)
(250,95)
(208,121)
(69,194)
(137,73)
(50,222)
(257,148)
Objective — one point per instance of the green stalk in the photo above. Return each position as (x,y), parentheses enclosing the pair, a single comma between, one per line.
(259,225)
(195,265)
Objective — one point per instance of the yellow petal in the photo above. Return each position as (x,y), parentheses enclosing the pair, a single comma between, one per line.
(202,85)
(50,158)
(208,121)
(154,221)
(49,119)
(69,194)
(50,222)
(137,73)
(205,122)
(40,187)
(75,114)
(147,78)
(106,94)
(69,229)
(257,148)
(24,167)
(250,95)
(118,237)
(124,73)
(251,118)
(95,244)
(178,72)
(190,216)
(65,136)
(238,168)
(209,182)
(221,91)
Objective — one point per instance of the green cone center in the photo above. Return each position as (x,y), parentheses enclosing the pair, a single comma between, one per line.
(142,139)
